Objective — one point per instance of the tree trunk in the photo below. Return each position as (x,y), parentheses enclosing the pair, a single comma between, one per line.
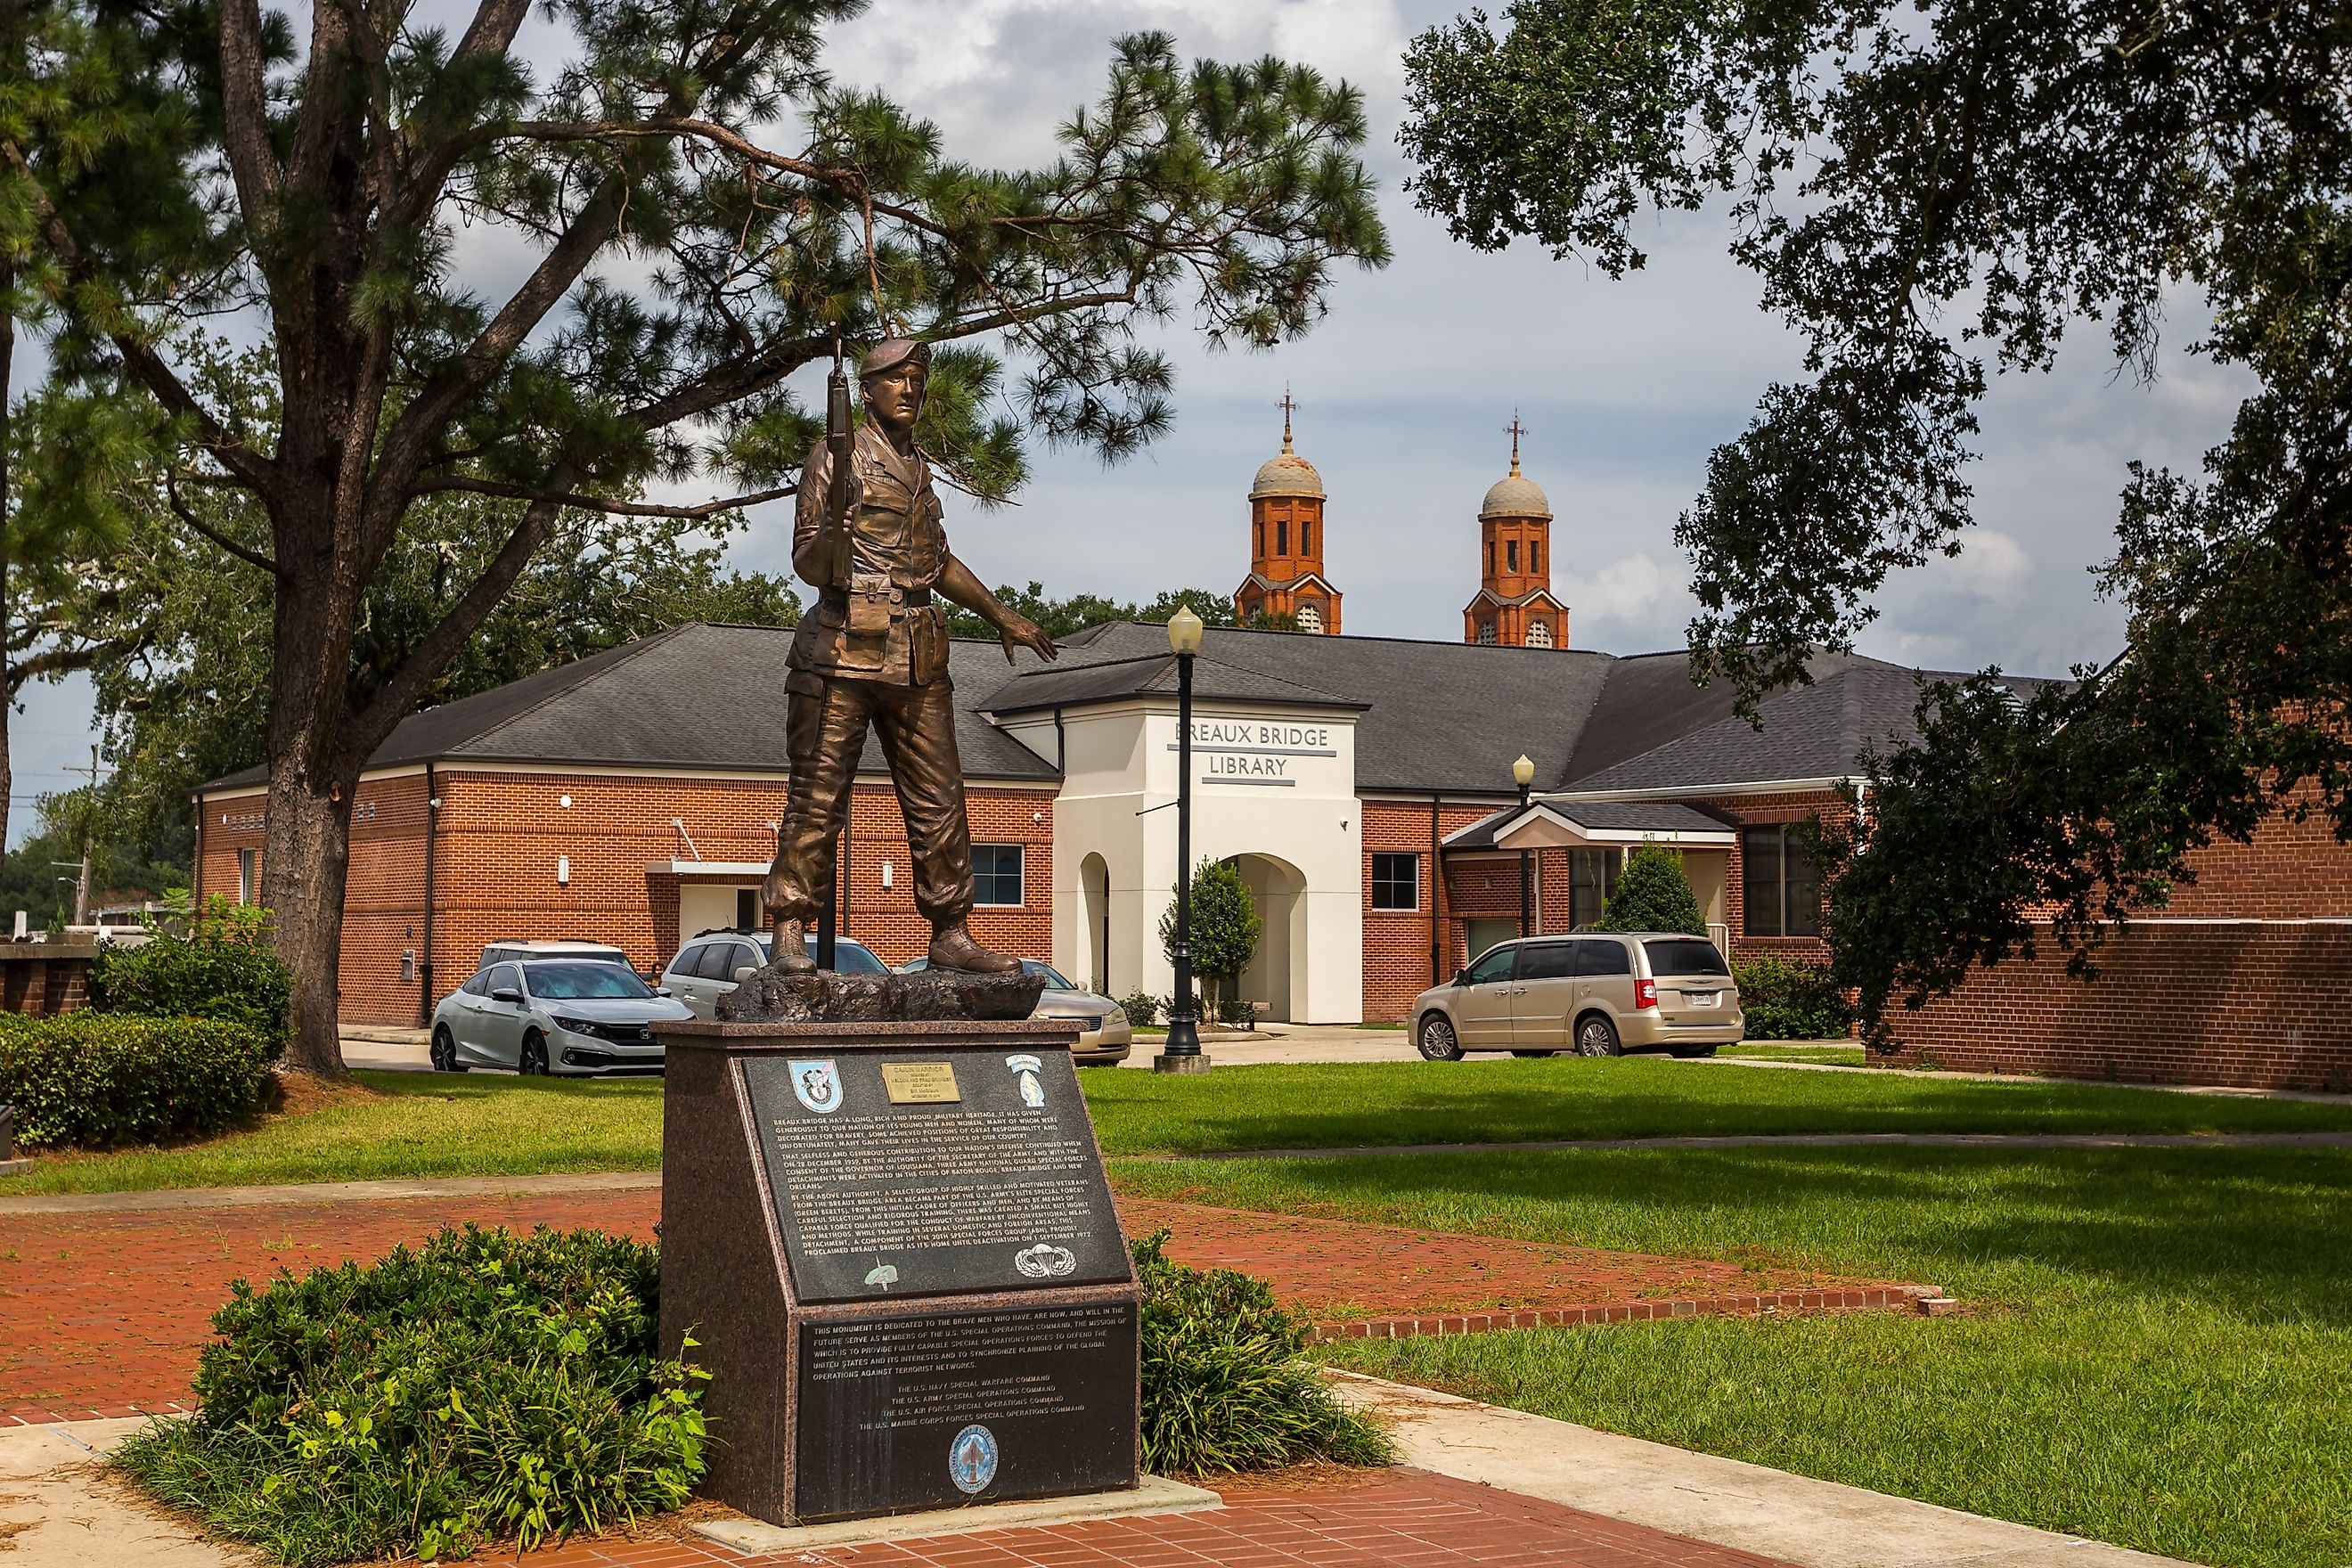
(306,853)
(7,475)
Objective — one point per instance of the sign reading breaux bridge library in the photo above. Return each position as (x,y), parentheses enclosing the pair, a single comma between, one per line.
(895,1246)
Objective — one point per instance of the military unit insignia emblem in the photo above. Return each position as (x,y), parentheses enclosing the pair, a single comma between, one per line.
(1032,1093)
(817,1085)
(1044,1262)
(971,1460)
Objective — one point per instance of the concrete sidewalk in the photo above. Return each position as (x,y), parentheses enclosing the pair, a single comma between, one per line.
(1798,1520)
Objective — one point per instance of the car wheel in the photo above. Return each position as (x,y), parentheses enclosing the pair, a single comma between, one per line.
(1437,1041)
(444,1052)
(1597,1036)
(1534,1053)
(1688,1053)
(534,1055)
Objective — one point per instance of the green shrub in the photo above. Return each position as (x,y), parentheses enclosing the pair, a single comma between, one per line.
(486,1387)
(1790,1000)
(222,969)
(1225,1385)
(94,1081)
(1141,1007)
(1653,894)
(1236,1012)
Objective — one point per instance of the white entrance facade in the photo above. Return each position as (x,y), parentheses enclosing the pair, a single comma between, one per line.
(1274,790)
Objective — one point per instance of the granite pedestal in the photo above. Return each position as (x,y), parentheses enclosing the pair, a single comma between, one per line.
(893,1245)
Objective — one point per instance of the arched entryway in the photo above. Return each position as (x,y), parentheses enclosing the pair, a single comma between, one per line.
(1093,883)
(1277,978)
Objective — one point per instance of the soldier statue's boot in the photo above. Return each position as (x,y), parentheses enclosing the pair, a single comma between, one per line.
(792,954)
(952,948)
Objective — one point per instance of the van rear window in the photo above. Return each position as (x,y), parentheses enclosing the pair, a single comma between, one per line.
(1688,956)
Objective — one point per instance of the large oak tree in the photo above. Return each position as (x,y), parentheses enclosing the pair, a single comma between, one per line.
(1930,192)
(697,211)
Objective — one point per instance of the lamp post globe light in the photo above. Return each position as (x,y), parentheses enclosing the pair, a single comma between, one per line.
(1523,774)
(1181,1052)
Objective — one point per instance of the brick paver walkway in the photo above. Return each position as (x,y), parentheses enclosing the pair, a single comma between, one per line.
(1405,1519)
(104,1313)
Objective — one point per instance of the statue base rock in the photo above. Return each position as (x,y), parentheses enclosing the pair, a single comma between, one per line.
(776,996)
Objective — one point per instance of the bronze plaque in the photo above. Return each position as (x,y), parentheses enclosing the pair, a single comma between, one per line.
(920,1083)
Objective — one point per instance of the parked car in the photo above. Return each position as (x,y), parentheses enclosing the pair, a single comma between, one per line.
(553,1016)
(714,961)
(1105,1035)
(592,951)
(1598,995)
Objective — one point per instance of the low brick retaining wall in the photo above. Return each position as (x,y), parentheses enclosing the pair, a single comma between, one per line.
(45,977)
(2239,1004)
(1898,1297)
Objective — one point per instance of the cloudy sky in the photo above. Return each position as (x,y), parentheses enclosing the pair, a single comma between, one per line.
(1405,389)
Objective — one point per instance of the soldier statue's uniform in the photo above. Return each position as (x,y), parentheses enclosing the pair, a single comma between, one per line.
(873,652)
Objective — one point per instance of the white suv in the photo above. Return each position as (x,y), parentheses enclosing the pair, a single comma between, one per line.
(715,962)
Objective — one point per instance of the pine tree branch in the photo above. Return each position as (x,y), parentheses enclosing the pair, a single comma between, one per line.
(601,503)
(243,553)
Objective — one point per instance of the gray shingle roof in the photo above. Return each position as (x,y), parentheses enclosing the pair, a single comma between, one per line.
(694,696)
(1433,717)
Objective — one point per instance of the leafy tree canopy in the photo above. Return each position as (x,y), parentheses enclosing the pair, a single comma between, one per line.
(1062,617)
(1653,894)
(1931,192)
(698,210)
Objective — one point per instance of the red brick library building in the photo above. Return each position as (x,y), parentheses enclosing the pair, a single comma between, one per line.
(1363,786)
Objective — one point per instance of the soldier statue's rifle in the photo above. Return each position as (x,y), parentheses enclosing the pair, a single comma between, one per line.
(833,546)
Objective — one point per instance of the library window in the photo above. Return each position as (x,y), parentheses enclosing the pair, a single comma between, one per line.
(996,874)
(1592,877)
(1780,889)
(1396,881)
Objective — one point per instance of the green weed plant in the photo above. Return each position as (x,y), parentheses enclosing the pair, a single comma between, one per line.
(486,1387)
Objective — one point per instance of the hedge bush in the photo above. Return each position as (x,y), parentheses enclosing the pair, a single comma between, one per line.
(1790,1000)
(1653,894)
(222,969)
(487,1387)
(1225,1385)
(95,1080)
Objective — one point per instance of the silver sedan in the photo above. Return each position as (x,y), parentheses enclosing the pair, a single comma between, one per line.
(1104,1035)
(553,1016)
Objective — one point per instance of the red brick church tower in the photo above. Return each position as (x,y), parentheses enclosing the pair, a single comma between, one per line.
(1515,606)
(1285,576)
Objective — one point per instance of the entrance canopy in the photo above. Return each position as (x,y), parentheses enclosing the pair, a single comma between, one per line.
(1557,824)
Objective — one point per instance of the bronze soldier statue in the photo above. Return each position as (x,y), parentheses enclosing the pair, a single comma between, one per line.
(873,651)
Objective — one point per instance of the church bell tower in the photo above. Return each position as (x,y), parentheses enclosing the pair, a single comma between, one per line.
(1285,576)
(1515,606)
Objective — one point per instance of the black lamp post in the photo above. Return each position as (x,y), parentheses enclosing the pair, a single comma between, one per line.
(1523,774)
(1181,1053)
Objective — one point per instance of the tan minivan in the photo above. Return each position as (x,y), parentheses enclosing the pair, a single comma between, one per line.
(1598,995)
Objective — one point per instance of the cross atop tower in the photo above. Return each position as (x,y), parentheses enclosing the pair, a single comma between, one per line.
(1515,430)
(1288,406)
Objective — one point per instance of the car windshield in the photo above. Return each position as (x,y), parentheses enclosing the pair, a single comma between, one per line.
(585,981)
(851,958)
(1687,956)
(1054,980)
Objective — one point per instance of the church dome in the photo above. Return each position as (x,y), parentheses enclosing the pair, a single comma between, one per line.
(1513,496)
(1287,474)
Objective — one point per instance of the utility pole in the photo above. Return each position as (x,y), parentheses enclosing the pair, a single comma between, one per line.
(89,827)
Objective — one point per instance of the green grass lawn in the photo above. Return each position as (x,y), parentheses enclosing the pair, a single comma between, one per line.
(450,1125)
(1810,1051)
(2156,1348)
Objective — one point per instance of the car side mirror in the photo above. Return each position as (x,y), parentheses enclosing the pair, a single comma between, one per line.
(661,990)
(744,973)
(506,994)
(1460,977)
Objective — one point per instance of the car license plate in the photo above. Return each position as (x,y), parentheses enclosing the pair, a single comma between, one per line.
(1703,998)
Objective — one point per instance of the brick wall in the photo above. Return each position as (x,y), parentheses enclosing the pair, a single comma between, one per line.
(1755,811)
(495,871)
(2253,1004)
(1396,941)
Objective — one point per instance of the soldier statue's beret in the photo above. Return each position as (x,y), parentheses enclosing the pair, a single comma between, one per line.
(892,353)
